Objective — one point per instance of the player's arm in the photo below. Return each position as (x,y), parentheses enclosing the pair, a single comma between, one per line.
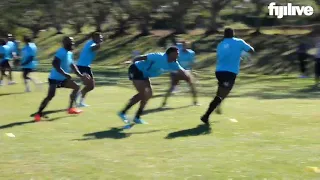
(246,47)
(29,60)
(139,58)
(182,72)
(56,64)
(75,70)
(95,47)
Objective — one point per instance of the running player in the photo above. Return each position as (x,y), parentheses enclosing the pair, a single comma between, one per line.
(29,62)
(60,77)
(4,59)
(228,65)
(87,55)
(149,66)
(12,56)
(186,60)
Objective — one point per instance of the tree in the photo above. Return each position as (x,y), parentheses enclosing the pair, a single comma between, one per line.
(214,7)
(178,12)
(99,10)
(78,14)
(259,6)
(122,15)
(141,11)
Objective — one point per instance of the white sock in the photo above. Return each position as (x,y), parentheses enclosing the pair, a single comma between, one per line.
(27,84)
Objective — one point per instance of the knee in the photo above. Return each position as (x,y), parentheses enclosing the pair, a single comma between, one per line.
(91,87)
(76,87)
(148,94)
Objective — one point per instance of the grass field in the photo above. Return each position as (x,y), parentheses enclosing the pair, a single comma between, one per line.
(276,136)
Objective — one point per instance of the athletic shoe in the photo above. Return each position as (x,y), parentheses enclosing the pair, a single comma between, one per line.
(11,83)
(139,121)
(37,117)
(205,120)
(74,111)
(123,118)
(82,104)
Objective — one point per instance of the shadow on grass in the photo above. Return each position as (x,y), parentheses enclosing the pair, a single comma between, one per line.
(160,109)
(9,94)
(197,131)
(46,113)
(14,124)
(113,133)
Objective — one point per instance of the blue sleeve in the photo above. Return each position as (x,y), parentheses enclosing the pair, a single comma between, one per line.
(152,56)
(175,66)
(245,46)
(193,54)
(2,50)
(59,54)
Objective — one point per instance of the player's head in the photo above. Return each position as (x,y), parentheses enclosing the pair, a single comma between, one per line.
(97,37)
(68,43)
(2,42)
(27,39)
(10,37)
(172,53)
(228,33)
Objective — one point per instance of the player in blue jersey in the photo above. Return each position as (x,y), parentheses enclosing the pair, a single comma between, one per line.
(13,55)
(186,60)
(28,61)
(87,55)
(144,68)
(228,65)
(60,77)
(4,59)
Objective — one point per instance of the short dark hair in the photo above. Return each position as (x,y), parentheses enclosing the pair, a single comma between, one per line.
(2,41)
(228,33)
(171,49)
(95,34)
(27,39)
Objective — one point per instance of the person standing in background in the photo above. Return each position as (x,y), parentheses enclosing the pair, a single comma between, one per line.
(302,57)
(317,62)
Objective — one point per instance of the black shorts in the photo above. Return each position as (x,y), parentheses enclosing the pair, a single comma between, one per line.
(5,64)
(226,79)
(57,83)
(27,70)
(135,74)
(85,69)
(302,56)
(317,67)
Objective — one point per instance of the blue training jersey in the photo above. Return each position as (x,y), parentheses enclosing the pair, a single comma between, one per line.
(87,55)
(186,58)
(5,51)
(12,48)
(229,54)
(157,64)
(65,62)
(30,50)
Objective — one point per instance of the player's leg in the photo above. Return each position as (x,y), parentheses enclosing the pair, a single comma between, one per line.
(226,81)
(26,78)
(8,66)
(70,84)
(88,86)
(145,91)
(193,89)
(47,99)
(174,82)
(2,73)
(134,75)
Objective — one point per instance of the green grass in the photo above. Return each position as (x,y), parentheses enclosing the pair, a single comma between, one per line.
(276,136)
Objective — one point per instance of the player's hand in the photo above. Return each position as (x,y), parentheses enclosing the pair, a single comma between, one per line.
(68,76)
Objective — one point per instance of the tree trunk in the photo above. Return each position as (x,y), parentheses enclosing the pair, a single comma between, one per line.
(98,26)
(35,32)
(58,28)
(180,27)
(144,23)
(213,26)
(78,28)
(259,9)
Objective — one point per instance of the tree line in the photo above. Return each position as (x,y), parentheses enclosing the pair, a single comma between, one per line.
(36,15)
